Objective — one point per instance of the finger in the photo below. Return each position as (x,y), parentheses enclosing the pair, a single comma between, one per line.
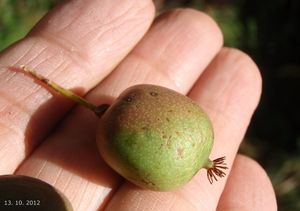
(248,188)
(174,57)
(77,45)
(76,137)
(228,90)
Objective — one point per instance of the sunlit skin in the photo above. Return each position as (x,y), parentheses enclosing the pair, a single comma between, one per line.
(98,49)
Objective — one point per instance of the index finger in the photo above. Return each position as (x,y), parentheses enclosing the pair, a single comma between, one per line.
(77,44)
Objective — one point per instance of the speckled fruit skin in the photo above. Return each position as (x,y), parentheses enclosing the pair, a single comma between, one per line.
(155,137)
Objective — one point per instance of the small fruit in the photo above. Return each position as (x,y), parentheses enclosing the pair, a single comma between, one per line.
(28,193)
(153,136)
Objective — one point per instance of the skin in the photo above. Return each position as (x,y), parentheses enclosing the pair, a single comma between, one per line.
(107,46)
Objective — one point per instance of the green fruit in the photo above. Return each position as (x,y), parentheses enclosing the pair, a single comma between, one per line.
(26,193)
(155,137)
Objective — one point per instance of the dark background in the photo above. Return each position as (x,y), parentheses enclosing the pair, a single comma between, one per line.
(269,32)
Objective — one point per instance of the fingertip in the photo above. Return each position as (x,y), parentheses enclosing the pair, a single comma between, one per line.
(197,22)
(247,66)
(236,83)
(248,188)
(208,24)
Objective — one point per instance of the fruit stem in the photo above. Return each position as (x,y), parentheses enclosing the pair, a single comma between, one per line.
(214,169)
(98,110)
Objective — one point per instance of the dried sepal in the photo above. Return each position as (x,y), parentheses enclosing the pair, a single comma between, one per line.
(215,170)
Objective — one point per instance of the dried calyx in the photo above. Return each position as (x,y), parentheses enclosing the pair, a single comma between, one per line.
(214,169)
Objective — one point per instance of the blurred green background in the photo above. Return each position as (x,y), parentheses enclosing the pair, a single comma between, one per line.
(269,32)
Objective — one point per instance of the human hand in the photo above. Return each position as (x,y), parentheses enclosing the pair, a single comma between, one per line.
(100,48)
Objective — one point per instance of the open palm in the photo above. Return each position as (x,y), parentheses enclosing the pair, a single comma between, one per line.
(98,49)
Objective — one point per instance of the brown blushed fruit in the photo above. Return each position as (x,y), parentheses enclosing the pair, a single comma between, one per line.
(155,137)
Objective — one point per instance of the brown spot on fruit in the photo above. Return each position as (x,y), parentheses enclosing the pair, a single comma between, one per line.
(154,94)
(180,152)
(169,142)
(128,99)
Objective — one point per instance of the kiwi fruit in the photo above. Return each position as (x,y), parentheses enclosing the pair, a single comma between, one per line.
(153,136)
